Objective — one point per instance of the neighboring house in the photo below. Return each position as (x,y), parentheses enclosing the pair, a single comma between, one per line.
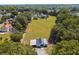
(7,27)
(74,13)
(3,31)
(35,16)
(43,16)
(2,11)
(7,14)
(38,16)
(9,20)
(50,10)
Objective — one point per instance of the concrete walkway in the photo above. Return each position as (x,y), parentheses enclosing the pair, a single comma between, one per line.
(40,51)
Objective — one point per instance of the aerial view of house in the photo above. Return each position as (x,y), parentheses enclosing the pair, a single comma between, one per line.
(50,29)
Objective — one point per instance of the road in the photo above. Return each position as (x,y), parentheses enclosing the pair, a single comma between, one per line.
(40,51)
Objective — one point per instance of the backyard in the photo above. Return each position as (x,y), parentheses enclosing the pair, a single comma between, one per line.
(40,28)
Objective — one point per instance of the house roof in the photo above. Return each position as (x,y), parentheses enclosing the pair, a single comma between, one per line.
(33,42)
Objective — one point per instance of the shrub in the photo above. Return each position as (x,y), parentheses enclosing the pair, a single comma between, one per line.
(15,48)
(16,37)
(66,48)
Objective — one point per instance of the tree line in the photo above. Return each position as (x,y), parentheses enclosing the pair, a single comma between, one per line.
(65,34)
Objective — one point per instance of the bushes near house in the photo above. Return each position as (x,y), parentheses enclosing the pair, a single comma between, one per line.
(15,48)
(16,37)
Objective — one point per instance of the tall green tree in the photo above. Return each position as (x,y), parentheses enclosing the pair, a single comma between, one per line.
(15,48)
(66,48)
(65,29)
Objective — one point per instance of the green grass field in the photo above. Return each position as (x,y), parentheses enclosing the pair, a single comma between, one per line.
(39,28)
(5,37)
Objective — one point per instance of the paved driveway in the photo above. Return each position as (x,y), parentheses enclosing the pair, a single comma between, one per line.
(40,51)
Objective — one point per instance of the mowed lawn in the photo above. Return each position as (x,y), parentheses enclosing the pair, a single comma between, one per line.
(40,28)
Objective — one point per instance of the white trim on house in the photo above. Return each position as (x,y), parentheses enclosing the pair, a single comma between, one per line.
(33,42)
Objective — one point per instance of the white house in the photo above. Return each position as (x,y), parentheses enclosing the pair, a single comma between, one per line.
(45,41)
(36,42)
(33,42)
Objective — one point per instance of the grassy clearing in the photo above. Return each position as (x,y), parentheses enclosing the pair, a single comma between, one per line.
(40,28)
(5,37)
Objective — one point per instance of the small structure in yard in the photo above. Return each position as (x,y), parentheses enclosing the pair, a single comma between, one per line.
(24,41)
